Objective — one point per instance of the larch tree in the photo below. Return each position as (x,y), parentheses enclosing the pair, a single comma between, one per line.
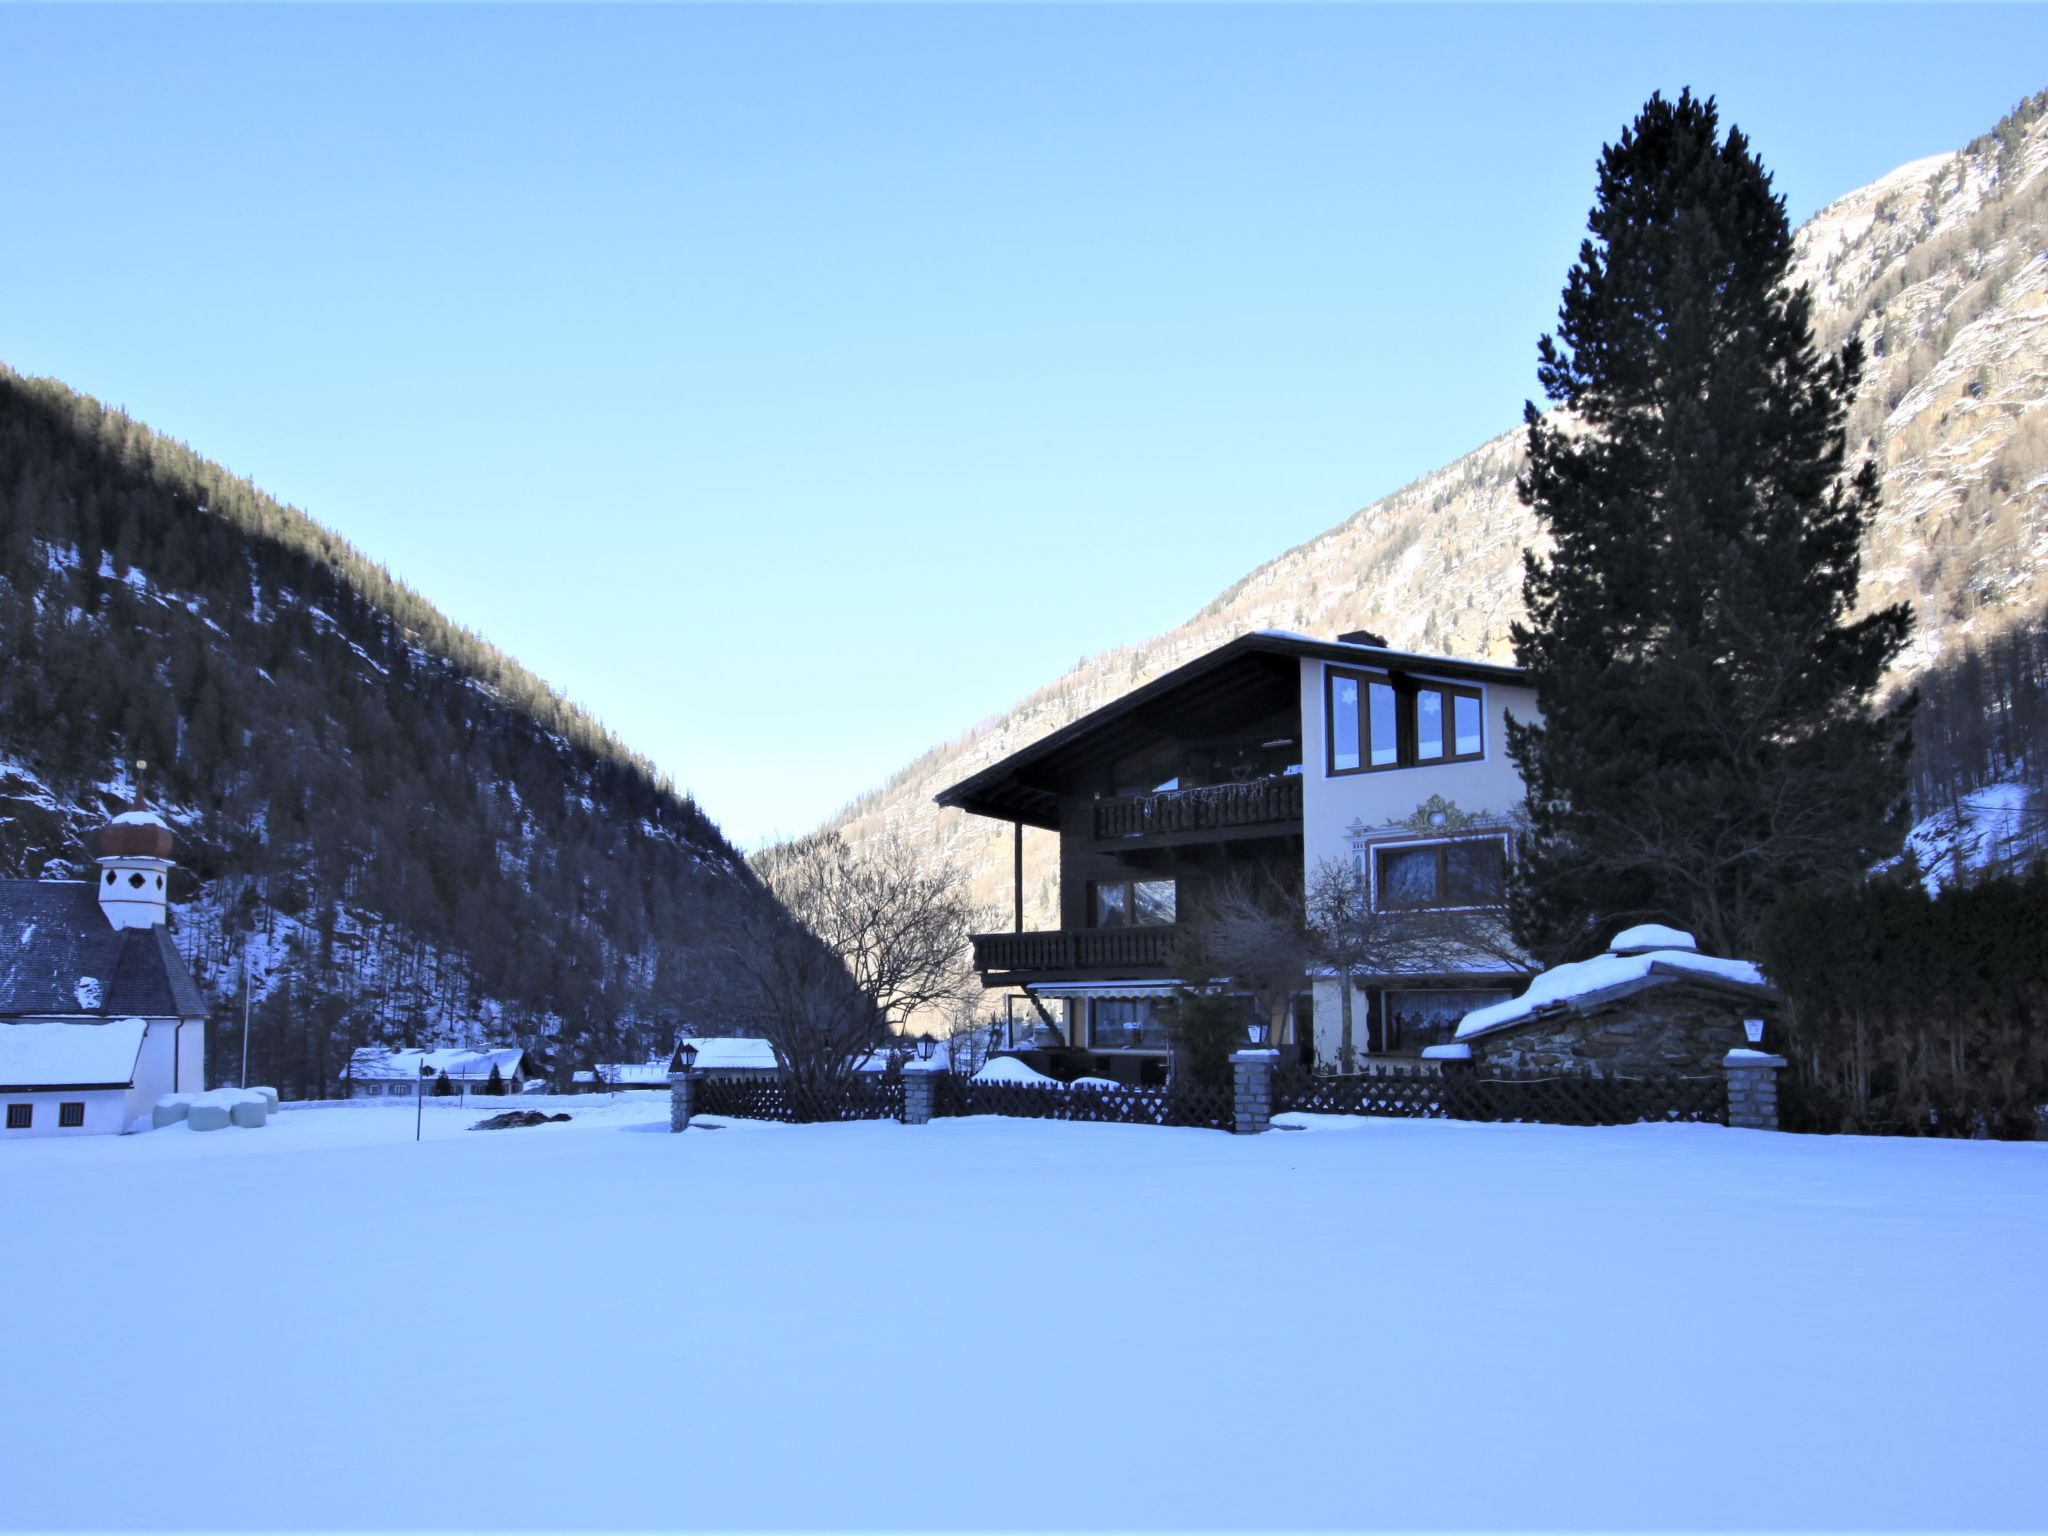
(1709,731)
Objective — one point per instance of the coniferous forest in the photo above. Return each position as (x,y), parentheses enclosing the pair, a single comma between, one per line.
(407,836)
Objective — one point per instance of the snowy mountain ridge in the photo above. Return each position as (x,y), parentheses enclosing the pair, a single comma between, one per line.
(406,836)
(1941,266)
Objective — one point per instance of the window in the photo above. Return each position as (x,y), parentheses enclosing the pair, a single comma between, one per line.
(70,1116)
(400,1089)
(1471,872)
(1125,1024)
(1133,903)
(1383,722)
(21,1117)
(1417,1019)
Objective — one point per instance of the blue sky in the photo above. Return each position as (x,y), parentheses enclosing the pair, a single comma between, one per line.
(797,386)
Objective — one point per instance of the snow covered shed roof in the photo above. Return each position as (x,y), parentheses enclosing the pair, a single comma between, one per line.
(1586,983)
(377,1063)
(746,1053)
(730,1053)
(75,1055)
(54,940)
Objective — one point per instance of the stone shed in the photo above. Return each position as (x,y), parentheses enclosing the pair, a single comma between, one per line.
(1652,1005)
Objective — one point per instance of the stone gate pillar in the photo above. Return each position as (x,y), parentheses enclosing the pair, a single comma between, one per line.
(682,1100)
(1753,1089)
(1251,1082)
(920,1090)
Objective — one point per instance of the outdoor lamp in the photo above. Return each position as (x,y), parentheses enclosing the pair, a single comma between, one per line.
(1754,1028)
(926,1044)
(686,1056)
(1257,1030)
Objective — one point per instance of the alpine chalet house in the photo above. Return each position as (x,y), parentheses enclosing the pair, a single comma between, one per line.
(378,1071)
(1280,756)
(98,1014)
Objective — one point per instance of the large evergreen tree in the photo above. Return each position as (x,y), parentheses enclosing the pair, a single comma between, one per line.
(1709,735)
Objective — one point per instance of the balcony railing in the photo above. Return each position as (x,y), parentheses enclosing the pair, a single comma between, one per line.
(1209,808)
(1073,949)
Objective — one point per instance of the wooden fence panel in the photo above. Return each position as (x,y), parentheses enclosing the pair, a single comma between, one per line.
(859,1098)
(1550,1098)
(1202,1108)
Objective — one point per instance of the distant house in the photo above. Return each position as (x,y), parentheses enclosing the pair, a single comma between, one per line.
(99,1016)
(378,1072)
(623,1074)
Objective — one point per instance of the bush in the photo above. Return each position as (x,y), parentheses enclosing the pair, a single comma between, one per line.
(1911,1014)
(1205,1027)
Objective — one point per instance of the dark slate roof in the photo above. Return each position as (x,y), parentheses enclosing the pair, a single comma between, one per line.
(53,935)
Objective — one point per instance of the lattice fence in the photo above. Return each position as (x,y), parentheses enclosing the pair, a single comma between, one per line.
(1553,1098)
(1203,1108)
(868,1097)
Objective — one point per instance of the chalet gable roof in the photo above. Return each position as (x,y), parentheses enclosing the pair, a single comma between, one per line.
(1255,668)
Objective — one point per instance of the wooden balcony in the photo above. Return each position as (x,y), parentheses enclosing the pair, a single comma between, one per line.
(1209,809)
(1073,951)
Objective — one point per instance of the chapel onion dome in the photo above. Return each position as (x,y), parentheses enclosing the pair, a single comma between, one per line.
(139,833)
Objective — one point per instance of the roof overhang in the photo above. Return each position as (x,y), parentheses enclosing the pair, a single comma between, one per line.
(1019,787)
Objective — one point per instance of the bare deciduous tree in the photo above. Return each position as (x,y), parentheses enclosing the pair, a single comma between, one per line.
(1351,936)
(863,936)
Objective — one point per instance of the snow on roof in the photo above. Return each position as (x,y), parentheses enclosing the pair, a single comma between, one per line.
(746,1053)
(1008,1069)
(138,819)
(1566,983)
(1645,937)
(377,1063)
(70,1055)
(732,1053)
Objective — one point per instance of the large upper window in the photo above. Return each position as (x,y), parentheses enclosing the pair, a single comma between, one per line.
(1133,903)
(1376,722)
(1469,872)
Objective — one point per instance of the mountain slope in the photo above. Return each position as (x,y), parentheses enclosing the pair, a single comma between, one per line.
(1942,267)
(408,835)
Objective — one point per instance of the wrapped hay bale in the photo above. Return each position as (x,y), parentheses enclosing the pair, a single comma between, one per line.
(169,1110)
(269,1098)
(208,1117)
(249,1112)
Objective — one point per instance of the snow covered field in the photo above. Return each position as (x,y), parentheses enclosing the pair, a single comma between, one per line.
(1000,1323)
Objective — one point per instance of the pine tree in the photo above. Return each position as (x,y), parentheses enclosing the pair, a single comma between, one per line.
(1708,734)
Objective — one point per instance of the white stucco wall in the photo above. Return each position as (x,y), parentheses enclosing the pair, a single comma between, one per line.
(105,1112)
(192,1058)
(1331,805)
(154,1074)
